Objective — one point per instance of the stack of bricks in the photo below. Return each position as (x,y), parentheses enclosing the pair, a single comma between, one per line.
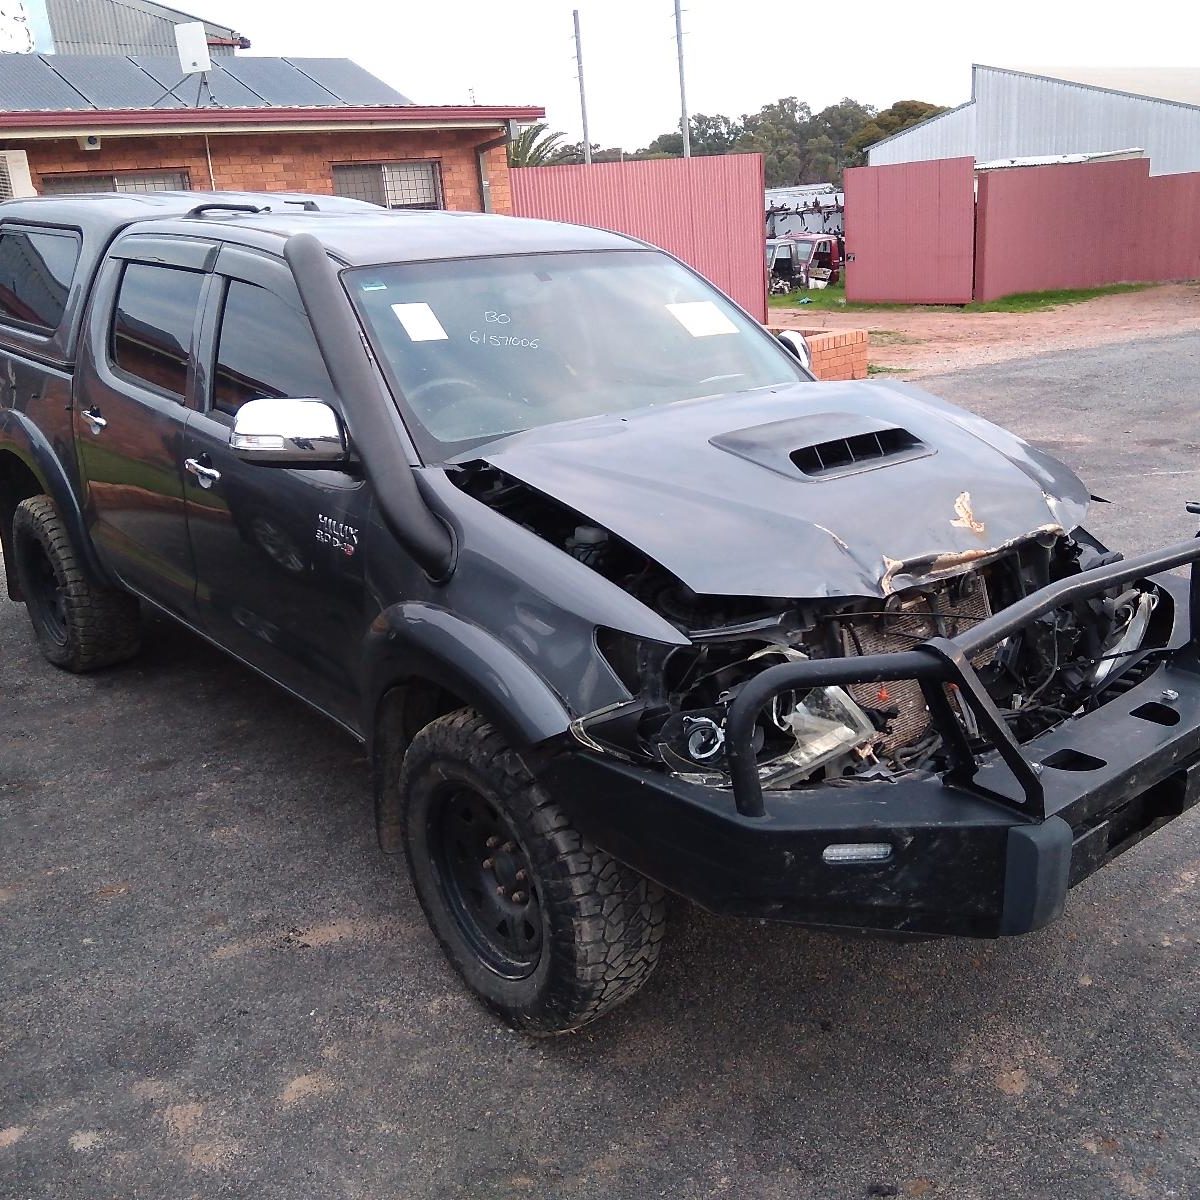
(838,354)
(296,161)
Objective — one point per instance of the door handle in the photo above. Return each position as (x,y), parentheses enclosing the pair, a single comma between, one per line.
(205,476)
(96,422)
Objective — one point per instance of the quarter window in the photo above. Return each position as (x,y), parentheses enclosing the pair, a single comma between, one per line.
(390,185)
(153,322)
(35,277)
(266,349)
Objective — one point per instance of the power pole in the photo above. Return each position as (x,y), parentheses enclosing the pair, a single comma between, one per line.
(587,145)
(684,121)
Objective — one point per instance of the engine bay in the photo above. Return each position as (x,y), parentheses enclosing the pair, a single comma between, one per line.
(1067,662)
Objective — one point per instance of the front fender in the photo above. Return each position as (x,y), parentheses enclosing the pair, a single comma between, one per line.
(422,641)
(22,438)
(418,643)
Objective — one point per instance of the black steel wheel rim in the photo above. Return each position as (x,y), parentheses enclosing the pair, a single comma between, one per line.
(45,593)
(486,880)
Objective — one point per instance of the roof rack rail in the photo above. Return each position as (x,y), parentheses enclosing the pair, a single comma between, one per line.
(219,206)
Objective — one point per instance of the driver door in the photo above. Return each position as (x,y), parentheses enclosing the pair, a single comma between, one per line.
(277,552)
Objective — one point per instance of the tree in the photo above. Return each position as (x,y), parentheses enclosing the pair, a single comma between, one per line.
(776,132)
(708,135)
(534,146)
(899,116)
(827,138)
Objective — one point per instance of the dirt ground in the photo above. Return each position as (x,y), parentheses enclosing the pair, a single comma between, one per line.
(932,341)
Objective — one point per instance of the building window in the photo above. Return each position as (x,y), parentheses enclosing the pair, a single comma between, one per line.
(123,181)
(390,185)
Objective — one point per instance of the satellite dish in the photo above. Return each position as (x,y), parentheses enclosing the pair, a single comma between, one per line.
(191,39)
(16,37)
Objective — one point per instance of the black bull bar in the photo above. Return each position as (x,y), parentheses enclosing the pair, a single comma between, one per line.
(933,665)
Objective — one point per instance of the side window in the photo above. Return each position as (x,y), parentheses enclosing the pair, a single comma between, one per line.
(35,277)
(152,324)
(265,348)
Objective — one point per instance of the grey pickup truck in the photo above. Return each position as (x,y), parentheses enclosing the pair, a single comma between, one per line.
(621,601)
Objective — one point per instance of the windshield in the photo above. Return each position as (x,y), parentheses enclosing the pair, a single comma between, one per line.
(484,347)
(803,250)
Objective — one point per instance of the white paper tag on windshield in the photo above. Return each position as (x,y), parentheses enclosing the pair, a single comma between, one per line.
(701,318)
(420,322)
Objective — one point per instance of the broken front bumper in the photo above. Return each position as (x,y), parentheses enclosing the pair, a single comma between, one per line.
(990,848)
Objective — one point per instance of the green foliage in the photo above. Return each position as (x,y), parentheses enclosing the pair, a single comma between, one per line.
(797,145)
(899,116)
(835,298)
(534,146)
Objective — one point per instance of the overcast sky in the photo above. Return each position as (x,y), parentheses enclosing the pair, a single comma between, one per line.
(740,54)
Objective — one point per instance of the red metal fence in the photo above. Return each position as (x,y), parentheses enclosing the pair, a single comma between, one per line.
(707,211)
(911,230)
(917,234)
(1082,225)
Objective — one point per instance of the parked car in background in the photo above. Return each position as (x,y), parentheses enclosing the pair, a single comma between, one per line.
(806,260)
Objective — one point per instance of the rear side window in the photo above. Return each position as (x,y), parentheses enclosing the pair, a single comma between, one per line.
(153,322)
(35,276)
(266,349)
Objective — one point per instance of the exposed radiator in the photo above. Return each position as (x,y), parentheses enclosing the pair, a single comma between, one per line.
(912,621)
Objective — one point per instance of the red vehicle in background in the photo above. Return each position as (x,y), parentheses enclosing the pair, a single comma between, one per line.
(805,260)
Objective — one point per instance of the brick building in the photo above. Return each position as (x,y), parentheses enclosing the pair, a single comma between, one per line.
(105,122)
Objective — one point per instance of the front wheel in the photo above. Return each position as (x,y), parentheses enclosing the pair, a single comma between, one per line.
(547,929)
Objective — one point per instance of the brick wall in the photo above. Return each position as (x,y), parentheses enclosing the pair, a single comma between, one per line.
(295,161)
(840,355)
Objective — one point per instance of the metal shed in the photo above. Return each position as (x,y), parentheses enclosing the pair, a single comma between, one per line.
(125,27)
(1015,114)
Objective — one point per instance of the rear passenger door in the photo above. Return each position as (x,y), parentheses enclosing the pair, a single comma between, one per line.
(134,383)
(277,551)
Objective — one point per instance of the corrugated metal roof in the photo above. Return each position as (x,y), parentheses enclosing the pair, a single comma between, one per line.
(120,81)
(277,81)
(121,27)
(78,82)
(226,90)
(346,80)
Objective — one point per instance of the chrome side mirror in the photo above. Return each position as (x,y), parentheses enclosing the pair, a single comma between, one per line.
(289,433)
(794,341)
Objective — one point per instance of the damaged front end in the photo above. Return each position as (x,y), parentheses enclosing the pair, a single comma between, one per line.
(1064,663)
(677,718)
(909,692)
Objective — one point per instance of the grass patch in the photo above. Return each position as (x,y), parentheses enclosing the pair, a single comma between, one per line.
(877,369)
(1039,301)
(833,299)
(892,337)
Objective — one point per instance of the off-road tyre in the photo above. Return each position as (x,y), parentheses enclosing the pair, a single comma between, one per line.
(79,625)
(601,923)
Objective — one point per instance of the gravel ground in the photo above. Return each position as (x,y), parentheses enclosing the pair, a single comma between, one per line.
(932,341)
(213,985)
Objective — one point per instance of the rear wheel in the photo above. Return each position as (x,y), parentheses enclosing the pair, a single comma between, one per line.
(547,929)
(79,625)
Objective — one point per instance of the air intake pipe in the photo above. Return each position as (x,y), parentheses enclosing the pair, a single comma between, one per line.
(365,407)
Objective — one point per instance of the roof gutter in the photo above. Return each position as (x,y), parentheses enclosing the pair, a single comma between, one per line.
(142,122)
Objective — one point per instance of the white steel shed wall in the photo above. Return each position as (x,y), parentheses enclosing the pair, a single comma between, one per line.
(951,135)
(1014,115)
